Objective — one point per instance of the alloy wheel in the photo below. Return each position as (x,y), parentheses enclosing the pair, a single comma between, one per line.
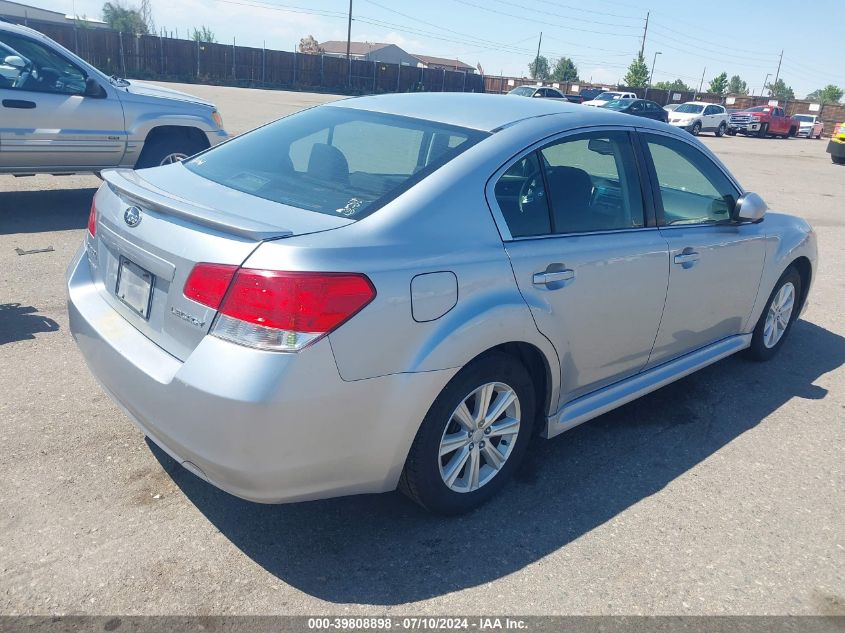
(779,314)
(175,157)
(479,437)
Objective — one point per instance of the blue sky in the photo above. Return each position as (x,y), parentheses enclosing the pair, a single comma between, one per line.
(601,36)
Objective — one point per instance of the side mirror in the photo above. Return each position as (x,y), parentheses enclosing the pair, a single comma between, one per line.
(600,146)
(750,208)
(15,61)
(93,89)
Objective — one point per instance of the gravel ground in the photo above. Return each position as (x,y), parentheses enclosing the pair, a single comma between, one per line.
(720,494)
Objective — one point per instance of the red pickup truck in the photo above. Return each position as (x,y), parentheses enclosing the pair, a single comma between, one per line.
(763,121)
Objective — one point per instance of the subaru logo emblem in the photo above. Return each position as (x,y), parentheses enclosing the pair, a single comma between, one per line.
(132,216)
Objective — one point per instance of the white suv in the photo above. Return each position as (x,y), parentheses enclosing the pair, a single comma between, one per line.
(60,115)
(696,117)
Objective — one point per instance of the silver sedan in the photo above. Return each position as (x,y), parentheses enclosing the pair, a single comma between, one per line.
(400,290)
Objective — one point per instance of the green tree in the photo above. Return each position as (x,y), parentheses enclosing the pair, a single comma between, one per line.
(204,35)
(737,86)
(538,68)
(123,18)
(828,94)
(674,86)
(719,84)
(637,76)
(310,46)
(565,70)
(780,90)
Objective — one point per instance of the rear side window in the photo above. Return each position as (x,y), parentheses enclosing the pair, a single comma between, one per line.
(580,184)
(337,161)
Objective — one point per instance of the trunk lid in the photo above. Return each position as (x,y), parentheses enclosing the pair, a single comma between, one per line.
(153,226)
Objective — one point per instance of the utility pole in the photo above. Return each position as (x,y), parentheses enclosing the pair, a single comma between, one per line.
(765,81)
(645,32)
(348,45)
(777,74)
(651,76)
(537,59)
(701,84)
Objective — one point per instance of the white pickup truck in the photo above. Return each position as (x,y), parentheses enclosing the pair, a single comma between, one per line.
(606,97)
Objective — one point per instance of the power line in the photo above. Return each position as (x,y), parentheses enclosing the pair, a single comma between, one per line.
(520,17)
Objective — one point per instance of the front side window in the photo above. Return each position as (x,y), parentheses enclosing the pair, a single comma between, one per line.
(29,65)
(693,190)
(334,160)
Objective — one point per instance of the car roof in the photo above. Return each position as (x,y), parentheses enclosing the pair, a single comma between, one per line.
(478,111)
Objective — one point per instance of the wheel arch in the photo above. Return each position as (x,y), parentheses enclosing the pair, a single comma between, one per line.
(190,132)
(538,367)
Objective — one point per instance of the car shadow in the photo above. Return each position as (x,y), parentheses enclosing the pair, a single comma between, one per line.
(383,550)
(21,323)
(45,210)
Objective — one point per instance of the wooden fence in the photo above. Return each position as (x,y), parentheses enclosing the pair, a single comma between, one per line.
(171,59)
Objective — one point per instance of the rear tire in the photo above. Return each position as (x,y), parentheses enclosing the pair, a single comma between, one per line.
(720,131)
(440,481)
(838,160)
(163,150)
(776,321)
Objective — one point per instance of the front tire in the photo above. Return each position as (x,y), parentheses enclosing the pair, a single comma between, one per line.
(165,150)
(838,160)
(696,128)
(780,313)
(763,131)
(473,436)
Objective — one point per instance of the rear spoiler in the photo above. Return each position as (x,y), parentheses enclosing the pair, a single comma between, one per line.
(131,187)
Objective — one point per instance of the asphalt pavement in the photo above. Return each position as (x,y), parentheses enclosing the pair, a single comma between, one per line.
(720,494)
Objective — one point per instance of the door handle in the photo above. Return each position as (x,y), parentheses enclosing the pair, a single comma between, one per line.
(547,278)
(687,258)
(17,103)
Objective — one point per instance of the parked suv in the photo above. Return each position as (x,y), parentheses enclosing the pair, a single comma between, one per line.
(696,117)
(61,115)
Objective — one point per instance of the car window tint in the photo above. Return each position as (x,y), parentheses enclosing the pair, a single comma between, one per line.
(42,69)
(521,196)
(693,189)
(334,160)
(593,183)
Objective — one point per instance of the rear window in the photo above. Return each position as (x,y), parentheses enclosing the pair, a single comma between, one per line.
(337,161)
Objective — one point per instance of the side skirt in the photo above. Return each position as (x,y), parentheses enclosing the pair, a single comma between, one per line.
(595,404)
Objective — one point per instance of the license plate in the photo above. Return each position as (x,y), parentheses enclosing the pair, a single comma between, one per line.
(134,287)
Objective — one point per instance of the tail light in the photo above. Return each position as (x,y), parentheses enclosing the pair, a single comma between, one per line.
(276,310)
(92,220)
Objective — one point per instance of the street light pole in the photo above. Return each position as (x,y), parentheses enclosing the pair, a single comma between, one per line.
(651,75)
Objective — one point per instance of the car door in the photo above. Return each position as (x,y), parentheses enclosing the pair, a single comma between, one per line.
(588,261)
(46,121)
(715,264)
(707,118)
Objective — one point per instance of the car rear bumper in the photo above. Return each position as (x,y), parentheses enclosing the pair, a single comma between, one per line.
(836,148)
(265,426)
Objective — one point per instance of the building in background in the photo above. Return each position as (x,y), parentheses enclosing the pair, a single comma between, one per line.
(427,61)
(391,54)
(21,13)
(369,51)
